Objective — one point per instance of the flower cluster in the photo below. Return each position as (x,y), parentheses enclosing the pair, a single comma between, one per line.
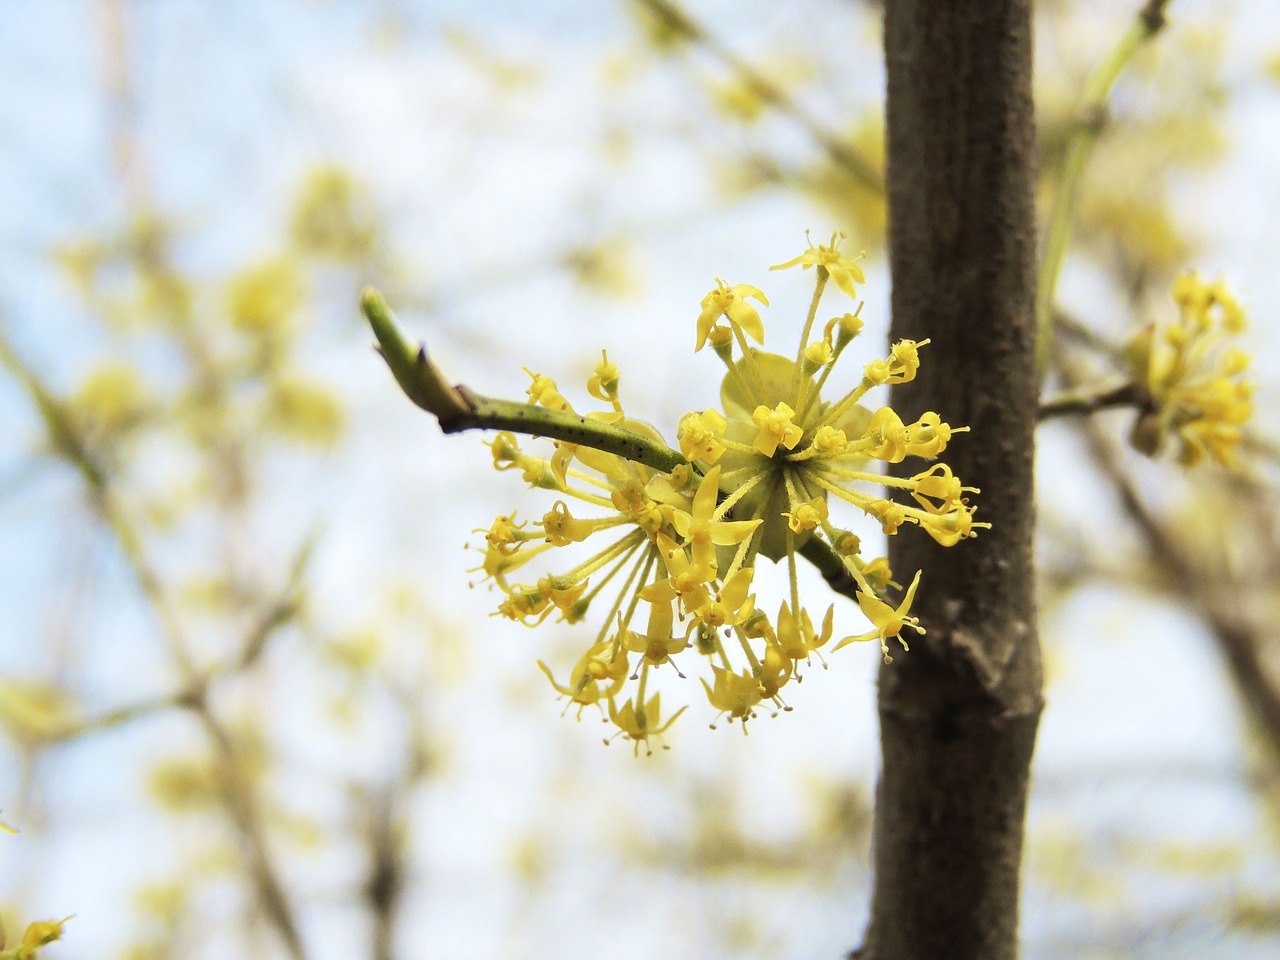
(760,473)
(1194,382)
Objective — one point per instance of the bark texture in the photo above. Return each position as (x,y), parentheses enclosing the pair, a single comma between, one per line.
(959,713)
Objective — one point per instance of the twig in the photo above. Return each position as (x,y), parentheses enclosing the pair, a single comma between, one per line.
(1089,125)
(457,408)
(1070,403)
(67,442)
(282,611)
(840,151)
(120,716)
(1236,638)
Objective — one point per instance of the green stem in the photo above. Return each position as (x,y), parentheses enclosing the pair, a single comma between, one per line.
(1076,403)
(1090,123)
(457,408)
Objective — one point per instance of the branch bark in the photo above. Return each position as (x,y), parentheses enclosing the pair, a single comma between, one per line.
(959,713)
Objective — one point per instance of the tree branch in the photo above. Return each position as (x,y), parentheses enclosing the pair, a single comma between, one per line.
(841,152)
(1077,403)
(1090,122)
(458,408)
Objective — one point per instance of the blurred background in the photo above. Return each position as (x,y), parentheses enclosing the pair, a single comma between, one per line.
(249,705)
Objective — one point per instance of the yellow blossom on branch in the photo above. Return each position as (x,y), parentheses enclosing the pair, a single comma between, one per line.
(761,475)
(843,271)
(731,303)
(1194,383)
(888,621)
(639,724)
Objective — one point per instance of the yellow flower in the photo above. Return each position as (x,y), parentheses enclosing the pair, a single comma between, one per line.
(731,302)
(543,392)
(562,528)
(639,725)
(597,675)
(303,410)
(775,428)
(530,607)
(929,436)
(687,580)
(776,671)
(700,435)
(265,297)
(830,442)
(731,605)
(37,935)
(109,401)
(901,365)
(700,529)
(807,516)
(656,643)
(828,256)
(734,693)
(796,637)
(888,621)
(951,527)
(33,712)
(886,437)
(937,488)
(603,384)
(334,216)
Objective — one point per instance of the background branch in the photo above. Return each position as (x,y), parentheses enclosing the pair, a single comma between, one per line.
(1090,122)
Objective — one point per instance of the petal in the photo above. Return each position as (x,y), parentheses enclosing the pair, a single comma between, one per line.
(747,319)
(704,501)
(706,320)
(803,258)
(728,532)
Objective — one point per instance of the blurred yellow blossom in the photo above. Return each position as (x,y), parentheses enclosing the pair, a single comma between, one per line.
(334,216)
(110,400)
(1193,381)
(39,934)
(33,712)
(303,410)
(264,298)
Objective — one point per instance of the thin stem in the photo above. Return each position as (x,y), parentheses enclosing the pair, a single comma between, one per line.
(241,803)
(1089,125)
(801,400)
(1072,402)
(841,152)
(458,408)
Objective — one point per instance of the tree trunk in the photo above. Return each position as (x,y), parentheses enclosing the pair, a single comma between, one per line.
(958,714)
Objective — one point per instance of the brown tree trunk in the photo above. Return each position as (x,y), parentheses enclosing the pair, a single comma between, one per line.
(958,714)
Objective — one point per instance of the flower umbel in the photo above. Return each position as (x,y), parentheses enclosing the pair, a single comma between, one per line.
(1195,386)
(763,475)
